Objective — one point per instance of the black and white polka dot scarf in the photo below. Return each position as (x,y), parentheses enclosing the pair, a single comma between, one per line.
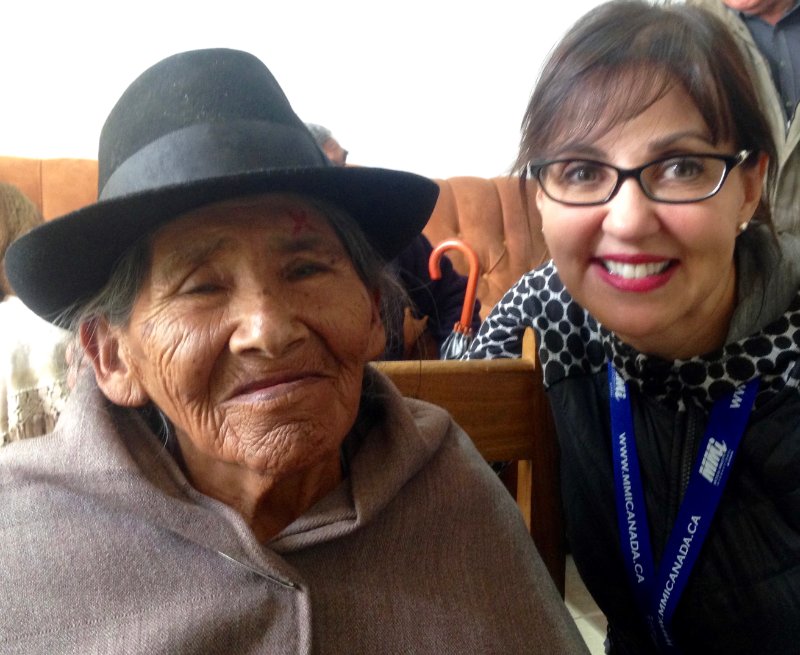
(573,343)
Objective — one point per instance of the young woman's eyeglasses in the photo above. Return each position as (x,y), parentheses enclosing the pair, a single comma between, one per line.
(674,179)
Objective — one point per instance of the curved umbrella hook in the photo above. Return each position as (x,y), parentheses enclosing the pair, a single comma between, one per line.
(463,325)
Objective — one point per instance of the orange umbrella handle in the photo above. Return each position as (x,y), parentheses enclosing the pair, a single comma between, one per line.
(472,280)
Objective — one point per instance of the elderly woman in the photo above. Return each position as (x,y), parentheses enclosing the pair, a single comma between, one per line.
(667,312)
(230,476)
(33,388)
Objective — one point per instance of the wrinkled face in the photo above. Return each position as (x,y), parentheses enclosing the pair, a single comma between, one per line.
(251,333)
(659,275)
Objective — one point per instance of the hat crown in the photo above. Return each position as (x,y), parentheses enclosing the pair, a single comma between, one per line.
(200,87)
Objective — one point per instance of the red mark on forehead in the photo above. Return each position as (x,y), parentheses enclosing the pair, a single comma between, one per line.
(300,222)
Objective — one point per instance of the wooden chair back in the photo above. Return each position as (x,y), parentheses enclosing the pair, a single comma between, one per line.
(501,405)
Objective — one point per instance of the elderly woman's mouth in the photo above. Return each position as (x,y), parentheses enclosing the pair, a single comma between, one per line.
(274,386)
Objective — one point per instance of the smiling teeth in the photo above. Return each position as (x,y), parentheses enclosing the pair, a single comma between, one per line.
(635,271)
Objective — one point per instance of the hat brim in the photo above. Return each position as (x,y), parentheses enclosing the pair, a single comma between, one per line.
(69,259)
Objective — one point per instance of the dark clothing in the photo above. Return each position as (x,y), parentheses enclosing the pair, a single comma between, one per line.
(440,300)
(743,595)
(780,45)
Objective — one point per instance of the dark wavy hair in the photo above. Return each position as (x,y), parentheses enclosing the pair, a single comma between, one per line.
(623,56)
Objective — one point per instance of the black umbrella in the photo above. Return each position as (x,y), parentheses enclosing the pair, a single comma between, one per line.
(458,342)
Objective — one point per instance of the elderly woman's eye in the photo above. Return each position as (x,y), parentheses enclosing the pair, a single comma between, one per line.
(200,288)
(205,288)
(301,270)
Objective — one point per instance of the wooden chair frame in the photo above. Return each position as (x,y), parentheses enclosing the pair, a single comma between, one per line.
(501,405)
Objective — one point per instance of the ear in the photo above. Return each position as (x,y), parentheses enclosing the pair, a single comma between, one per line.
(752,186)
(110,359)
(539,198)
(376,343)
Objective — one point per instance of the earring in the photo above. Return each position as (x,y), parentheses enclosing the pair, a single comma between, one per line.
(743,226)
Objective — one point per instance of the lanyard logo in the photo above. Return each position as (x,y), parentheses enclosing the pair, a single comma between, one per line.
(713,460)
(620,390)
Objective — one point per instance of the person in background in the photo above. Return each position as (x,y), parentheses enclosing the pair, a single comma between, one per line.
(768,33)
(33,387)
(330,146)
(230,475)
(435,305)
(668,325)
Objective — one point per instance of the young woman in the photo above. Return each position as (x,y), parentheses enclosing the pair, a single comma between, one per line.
(669,332)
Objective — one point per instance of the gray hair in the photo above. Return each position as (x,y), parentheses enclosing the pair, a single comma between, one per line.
(321,134)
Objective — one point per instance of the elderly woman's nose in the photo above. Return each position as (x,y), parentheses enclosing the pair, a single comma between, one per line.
(630,214)
(267,323)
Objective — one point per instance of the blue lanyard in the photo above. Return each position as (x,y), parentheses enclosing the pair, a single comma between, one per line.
(658,592)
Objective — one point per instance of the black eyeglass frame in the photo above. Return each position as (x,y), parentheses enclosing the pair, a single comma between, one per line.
(730,161)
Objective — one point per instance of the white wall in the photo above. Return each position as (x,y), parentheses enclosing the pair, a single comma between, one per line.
(437,87)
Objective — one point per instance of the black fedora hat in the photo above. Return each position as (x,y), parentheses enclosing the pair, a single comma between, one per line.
(196,128)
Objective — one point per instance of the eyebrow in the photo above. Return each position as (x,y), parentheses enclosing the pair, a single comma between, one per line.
(305,243)
(192,255)
(195,254)
(583,149)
